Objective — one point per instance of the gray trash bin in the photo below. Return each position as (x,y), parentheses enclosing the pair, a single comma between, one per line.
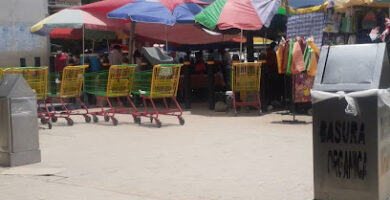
(351,129)
(19,140)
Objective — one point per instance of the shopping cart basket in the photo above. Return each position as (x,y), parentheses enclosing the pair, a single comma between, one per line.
(64,86)
(1,73)
(117,82)
(160,83)
(246,79)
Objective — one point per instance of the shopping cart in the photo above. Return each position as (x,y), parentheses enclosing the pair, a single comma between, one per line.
(246,79)
(117,82)
(1,73)
(36,77)
(64,86)
(160,83)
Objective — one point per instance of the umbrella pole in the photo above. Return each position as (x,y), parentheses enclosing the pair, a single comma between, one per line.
(93,46)
(241,45)
(131,41)
(166,39)
(83,45)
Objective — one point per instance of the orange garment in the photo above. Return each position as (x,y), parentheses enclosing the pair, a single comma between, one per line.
(314,59)
(282,57)
(297,63)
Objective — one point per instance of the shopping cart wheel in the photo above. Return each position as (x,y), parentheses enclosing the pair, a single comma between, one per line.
(137,120)
(43,120)
(106,118)
(95,119)
(182,121)
(49,125)
(114,121)
(87,118)
(54,119)
(158,123)
(70,121)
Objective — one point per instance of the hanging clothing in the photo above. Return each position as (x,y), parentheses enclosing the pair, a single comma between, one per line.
(289,59)
(297,63)
(307,56)
(282,56)
(314,59)
(279,56)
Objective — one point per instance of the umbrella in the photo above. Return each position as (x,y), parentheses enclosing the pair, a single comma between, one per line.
(74,19)
(241,14)
(166,12)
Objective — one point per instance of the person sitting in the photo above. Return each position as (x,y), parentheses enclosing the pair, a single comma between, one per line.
(200,67)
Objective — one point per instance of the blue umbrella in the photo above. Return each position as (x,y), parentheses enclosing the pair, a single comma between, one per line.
(168,12)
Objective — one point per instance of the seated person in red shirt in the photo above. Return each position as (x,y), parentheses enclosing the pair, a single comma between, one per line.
(200,67)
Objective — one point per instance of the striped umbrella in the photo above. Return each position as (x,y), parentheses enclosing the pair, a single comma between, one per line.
(166,12)
(241,14)
(66,20)
(74,19)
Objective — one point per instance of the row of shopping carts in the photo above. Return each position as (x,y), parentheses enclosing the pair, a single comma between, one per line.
(120,82)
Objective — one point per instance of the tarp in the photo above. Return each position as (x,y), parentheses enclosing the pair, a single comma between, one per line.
(77,34)
(341,5)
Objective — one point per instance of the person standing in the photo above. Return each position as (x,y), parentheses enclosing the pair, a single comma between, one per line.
(226,67)
(61,61)
(116,57)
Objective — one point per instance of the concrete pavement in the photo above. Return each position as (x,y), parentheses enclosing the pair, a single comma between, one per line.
(213,156)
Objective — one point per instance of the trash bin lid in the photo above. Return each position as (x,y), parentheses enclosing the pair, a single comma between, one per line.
(14,85)
(155,56)
(353,68)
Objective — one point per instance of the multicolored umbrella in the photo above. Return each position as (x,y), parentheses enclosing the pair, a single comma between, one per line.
(75,19)
(67,20)
(166,12)
(241,14)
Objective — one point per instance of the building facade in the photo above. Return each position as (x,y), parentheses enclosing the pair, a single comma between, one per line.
(18,47)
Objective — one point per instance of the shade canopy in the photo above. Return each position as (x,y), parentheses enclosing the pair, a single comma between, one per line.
(77,34)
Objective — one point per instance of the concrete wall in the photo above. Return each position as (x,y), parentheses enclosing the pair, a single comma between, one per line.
(16,41)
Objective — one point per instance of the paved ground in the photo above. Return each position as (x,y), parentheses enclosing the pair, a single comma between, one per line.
(213,156)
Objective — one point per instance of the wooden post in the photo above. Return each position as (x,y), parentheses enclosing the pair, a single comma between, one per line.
(211,82)
(187,84)
(249,46)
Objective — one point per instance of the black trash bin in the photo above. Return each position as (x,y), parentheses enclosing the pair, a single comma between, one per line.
(351,123)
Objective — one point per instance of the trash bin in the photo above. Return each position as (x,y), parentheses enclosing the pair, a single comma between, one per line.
(351,123)
(19,141)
